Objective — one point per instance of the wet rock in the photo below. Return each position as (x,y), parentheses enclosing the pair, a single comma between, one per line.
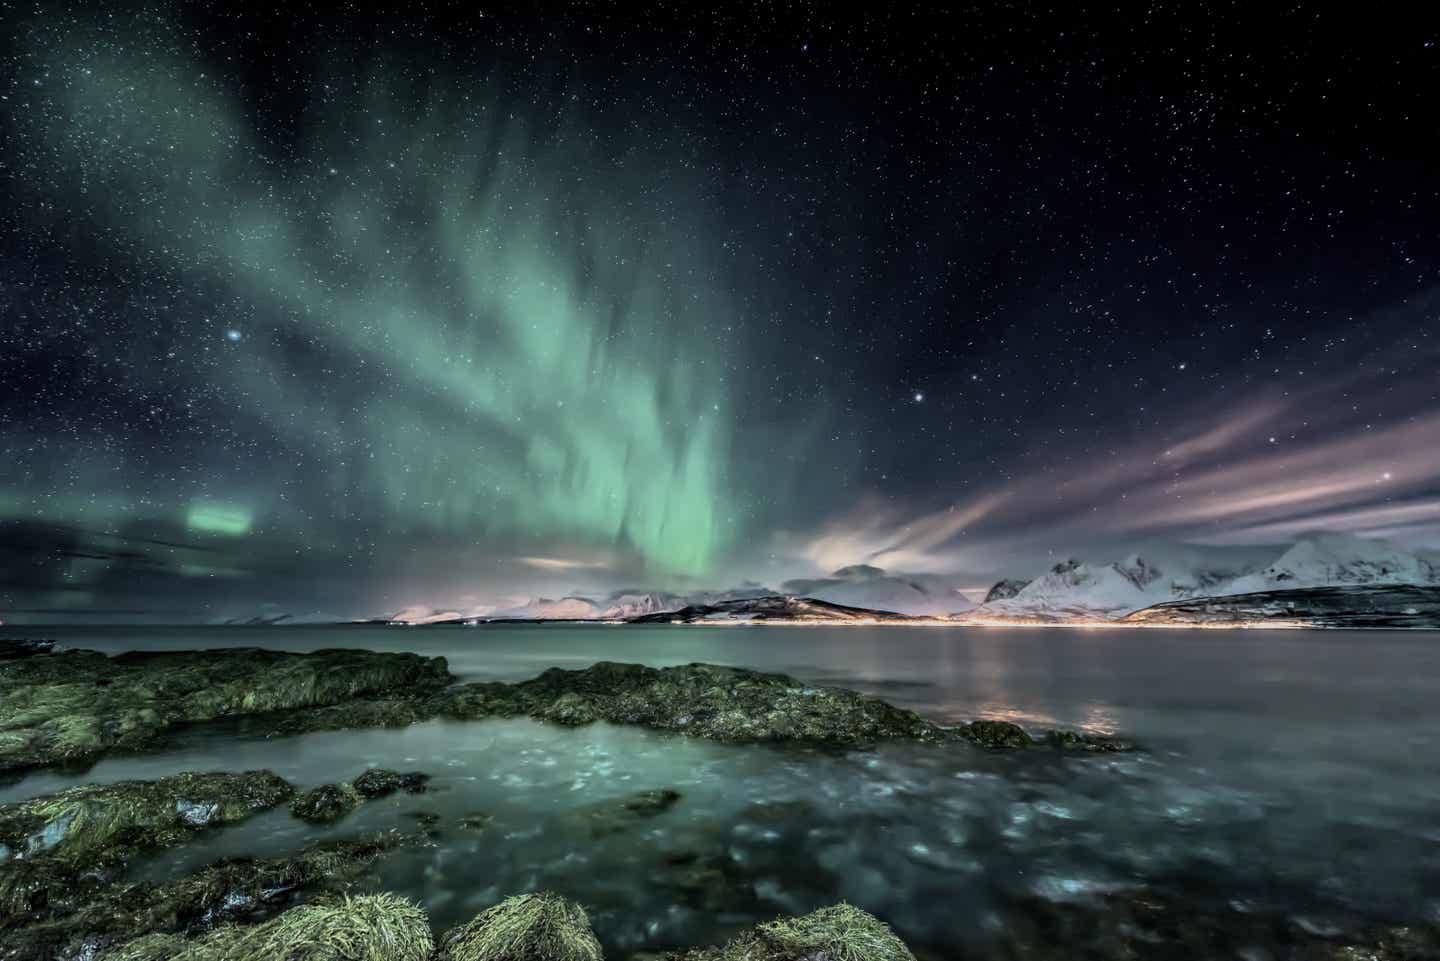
(997,734)
(700,700)
(1080,741)
(71,706)
(328,802)
(371,927)
(105,824)
(529,927)
(839,933)
(81,920)
(378,782)
(18,647)
(612,817)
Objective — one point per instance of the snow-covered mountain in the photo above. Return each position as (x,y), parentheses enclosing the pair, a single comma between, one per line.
(1330,560)
(572,608)
(772,608)
(277,618)
(861,585)
(1073,590)
(422,615)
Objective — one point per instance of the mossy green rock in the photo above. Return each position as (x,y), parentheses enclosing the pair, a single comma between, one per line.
(379,782)
(100,823)
(375,927)
(76,705)
(839,933)
(82,918)
(700,700)
(528,927)
(997,734)
(328,802)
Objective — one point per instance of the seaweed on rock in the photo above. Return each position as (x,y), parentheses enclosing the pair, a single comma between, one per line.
(76,705)
(104,823)
(82,919)
(328,802)
(839,933)
(375,927)
(700,700)
(527,927)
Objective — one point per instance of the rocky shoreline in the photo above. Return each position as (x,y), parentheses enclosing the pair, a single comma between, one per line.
(66,895)
(75,706)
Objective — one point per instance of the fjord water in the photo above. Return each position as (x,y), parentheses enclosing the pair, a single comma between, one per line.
(1295,772)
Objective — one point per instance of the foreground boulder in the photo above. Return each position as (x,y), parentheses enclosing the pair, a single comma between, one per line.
(76,705)
(528,927)
(375,927)
(839,933)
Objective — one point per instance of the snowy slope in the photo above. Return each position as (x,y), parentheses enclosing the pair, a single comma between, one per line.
(545,609)
(862,585)
(1080,591)
(1326,560)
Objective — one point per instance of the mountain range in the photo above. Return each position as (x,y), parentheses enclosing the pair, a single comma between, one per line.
(1077,591)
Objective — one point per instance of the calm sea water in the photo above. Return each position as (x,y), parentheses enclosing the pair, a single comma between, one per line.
(1293,771)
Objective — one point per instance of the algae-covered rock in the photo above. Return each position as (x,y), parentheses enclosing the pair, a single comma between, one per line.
(328,802)
(701,700)
(997,734)
(612,817)
(375,927)
(378,782)
(83,918)
(1081,741)
(107,823)
(17,647)
(528,927)
(76,705)
(839,933)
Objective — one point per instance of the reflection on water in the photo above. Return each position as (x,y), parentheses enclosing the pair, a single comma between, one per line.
(1291,771)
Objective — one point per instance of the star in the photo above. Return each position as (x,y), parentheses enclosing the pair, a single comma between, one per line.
(233,335)
(919,397)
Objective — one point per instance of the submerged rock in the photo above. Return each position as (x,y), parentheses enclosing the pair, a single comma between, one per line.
(612,817)
(76,705)
(475,822)
(839,933)
(328,802)
(528,927)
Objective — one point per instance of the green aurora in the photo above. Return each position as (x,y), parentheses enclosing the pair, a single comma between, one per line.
(491,330)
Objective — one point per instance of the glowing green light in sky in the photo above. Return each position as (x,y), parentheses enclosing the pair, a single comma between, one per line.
(212,518)
(482,328)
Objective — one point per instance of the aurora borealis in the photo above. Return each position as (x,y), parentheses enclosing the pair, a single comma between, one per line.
(413,306)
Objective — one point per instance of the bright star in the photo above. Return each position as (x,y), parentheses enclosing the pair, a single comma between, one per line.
(919,397)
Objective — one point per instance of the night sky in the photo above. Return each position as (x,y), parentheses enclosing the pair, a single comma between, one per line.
(357,309)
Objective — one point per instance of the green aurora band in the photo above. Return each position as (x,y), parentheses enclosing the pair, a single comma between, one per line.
(489,329)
